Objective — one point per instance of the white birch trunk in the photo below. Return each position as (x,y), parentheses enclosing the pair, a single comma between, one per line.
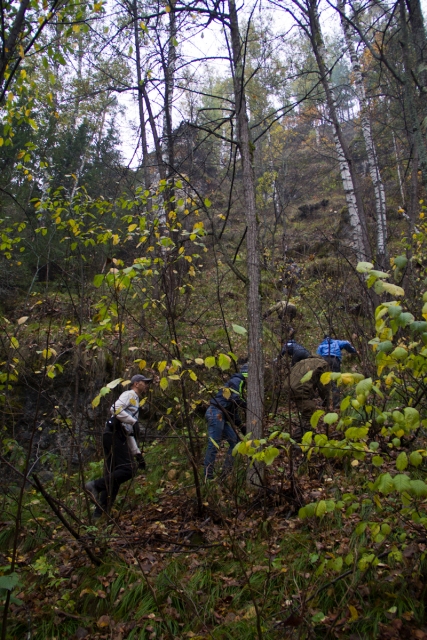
(350,197)
(373,166)
(360,241)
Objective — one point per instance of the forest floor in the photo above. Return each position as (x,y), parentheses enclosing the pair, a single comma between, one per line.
(245,566)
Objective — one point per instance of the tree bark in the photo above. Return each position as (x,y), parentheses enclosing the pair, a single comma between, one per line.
(360,240)
(140,80)
(413,117)
(255,392)
(373,165)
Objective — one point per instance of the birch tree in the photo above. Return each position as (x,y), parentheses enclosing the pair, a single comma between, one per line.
(308,20)
(373,165)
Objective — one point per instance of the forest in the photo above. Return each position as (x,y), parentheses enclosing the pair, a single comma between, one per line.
(185,187)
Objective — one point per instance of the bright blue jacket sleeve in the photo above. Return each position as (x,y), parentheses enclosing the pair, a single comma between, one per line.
(345,344)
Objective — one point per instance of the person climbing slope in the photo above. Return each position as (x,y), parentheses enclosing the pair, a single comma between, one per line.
(119,446)
(222,417)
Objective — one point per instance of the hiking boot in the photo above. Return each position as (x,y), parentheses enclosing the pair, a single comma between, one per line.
(92,490)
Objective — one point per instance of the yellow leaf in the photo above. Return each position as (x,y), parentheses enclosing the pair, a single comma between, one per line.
(142,364)
(167,9)
(132,227)
(325,378)
(1,142)
(76,28)
(347,378)
(96,401)
(23,319)
(162,366)
(353,612)
(116,239)
(104,621)
(163,384)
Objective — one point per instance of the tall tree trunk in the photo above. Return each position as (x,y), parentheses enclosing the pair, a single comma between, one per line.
(141,81)
(419,40)
(413,117)
(255,392)
(414,207)
(399,172)
(169,64)
(360,238)
(373,165)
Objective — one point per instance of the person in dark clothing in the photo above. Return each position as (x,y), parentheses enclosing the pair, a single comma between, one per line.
(122,455)
(304,393)
(295,350)
(222,417)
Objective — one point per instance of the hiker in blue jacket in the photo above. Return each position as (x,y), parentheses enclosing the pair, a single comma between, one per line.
(222,417)
(331,349)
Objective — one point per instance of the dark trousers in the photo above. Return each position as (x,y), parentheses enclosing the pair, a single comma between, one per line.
(218,429)
(118,468)
(334,365)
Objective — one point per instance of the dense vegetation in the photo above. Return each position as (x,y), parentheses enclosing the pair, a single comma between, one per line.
(297,172)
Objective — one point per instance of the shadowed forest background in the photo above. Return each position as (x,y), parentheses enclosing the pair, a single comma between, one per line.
(290,164)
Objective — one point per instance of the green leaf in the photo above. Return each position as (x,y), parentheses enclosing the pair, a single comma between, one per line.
(384,483)
(364,267)
(360,528)
(307,376)
(412,418)
(419,488)
(224,361)
(385,347)
(318,617)
(405,319)
(240,330)
(415,459)
(163,384)
(420,325)
(377,461)
(364,386)
(207,203)
(270,454)
(9,582)
(345,403)
(402,482)
(114,383)
(330,418)
(320,508)
(337,564)
(314,420)
(307,438)
(399,353)
(393,289)
(210,362)
(402,461)
(98,280)
(400,261)
(14,343)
